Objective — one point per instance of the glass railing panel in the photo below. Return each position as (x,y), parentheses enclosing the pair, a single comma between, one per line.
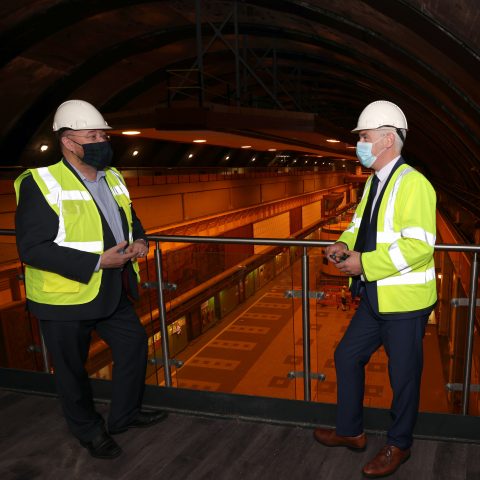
(223,293)
(444,341)
(235,334)
(20,344)
(446,336)
(437,348)
(327,322)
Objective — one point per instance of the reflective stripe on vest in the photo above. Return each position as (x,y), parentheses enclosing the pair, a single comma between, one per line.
(55,198)
(411,278)
(390,236)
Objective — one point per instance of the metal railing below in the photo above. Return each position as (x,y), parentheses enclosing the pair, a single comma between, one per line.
(305,245)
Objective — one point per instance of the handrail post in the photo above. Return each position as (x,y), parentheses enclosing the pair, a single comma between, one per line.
(306,327)
(470,329)
(162,315)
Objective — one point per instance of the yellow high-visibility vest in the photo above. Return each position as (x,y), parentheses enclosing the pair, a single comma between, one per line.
(79,227)
(402,263)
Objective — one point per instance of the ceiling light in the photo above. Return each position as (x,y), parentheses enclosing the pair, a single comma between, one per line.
(43,147)
(272,149)
(351,148)
(332,140)
(246,146)
(131,132)
(199,140)
(135,153)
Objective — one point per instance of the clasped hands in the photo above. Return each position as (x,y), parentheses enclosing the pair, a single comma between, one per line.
(120,254)
(351,266)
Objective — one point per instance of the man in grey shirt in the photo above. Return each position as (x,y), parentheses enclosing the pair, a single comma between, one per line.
(80,239)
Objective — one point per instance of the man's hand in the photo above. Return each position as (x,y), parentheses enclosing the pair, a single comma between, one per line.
(116,257)
(334,252)
(138,248)
(352,266)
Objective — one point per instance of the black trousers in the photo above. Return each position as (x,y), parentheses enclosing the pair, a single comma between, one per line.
(403,343)
(68,343)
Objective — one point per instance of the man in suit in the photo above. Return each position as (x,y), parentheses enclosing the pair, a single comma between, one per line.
(387,250)
(79,238)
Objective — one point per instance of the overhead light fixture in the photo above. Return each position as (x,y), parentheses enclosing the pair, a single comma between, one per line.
(43,147)
(272,149)
(135,153)
(131,132)
(246,146)
(351,148)
(199,140)
(332,140)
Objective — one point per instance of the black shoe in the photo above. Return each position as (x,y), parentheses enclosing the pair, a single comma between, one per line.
(142,420)
(102,446)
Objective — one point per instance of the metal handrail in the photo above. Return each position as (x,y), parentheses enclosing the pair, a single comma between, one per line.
(475,249)
(305,244)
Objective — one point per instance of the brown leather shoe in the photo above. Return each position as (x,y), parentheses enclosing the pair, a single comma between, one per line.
(329,437)
(388,459)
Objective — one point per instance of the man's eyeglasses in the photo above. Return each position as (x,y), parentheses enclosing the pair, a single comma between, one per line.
(94,137)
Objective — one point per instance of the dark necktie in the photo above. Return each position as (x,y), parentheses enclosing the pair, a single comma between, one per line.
(367,213)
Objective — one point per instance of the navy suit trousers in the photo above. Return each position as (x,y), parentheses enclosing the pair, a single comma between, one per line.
(68,343)
(403,343)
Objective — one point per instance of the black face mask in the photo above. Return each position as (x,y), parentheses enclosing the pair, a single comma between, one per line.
(98,155)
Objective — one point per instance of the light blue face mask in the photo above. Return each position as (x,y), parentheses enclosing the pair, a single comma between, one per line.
(365,155)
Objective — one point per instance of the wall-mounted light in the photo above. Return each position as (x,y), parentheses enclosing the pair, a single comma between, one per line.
(43,147)
(131,132)
(190,155)
(135,153)
(227,157)
(253,159)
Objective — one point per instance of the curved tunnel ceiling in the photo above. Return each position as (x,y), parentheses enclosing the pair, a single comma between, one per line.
(331,58)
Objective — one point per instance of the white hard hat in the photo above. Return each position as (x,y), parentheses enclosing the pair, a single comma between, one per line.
(381,114)
(78,115)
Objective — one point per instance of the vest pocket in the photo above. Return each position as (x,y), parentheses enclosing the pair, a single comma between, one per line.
(54,283)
